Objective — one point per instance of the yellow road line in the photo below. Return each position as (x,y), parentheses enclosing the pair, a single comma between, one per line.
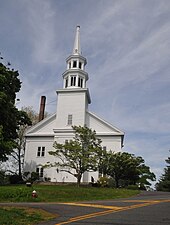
(148,200)
(113,209)
(87,216)
(93,205)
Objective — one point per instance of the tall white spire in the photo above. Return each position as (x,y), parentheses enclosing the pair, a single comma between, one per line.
(75,76)
(77,48)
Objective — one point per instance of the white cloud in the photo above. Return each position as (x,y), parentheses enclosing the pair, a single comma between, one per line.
(40,18)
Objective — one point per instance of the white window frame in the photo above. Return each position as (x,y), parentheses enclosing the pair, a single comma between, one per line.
(73,80)
(40,171)
(41,151)
(70,119)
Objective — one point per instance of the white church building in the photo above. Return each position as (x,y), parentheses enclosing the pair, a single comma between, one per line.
(72,109)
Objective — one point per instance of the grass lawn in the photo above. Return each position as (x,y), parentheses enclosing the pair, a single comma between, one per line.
(50,193)
(59,193)
(23,216)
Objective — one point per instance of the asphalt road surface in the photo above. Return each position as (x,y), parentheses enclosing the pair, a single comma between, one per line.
(148,208)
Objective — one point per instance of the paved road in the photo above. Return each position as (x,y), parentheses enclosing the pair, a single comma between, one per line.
(148,208)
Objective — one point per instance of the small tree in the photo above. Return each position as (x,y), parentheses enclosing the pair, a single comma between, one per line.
(18,153)
(104,161)
(164,182)
(127,169)
(80,154)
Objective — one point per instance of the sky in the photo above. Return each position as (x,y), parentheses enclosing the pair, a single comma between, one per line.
(127,46)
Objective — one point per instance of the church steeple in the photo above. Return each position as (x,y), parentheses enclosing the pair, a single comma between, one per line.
(75,75)
(77,48)
(74,97)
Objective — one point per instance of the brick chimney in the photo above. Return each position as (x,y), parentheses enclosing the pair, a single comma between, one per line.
(42,108)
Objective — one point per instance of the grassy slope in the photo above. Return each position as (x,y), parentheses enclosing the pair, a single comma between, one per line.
(57,193)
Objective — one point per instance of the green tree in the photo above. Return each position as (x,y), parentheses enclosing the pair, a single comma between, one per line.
(127,169)
(104,161)
(10,117)
(164,182)
(145,176)
(19,151)
(80,154)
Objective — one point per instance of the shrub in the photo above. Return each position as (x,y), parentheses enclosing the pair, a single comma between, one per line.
(3,178)
(133,187)
(47,179)
(111,183)
(15,179)
(103,181)
(30,177)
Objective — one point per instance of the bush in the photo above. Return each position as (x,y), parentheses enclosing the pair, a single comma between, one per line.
(133,187)
(106,182)
(103,181)
(30,177)
(111,183)
(3,178)
(34,176)
(25,175)
(15,179)
(47,179)
(142,187)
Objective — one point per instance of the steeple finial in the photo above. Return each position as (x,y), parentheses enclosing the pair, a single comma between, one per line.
(76,48)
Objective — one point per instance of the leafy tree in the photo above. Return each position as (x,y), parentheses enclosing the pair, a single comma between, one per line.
(10,117)
(127,169)
(80,154)
(145,175)
(15,161)
(18,153)
(164,182)
(104,161)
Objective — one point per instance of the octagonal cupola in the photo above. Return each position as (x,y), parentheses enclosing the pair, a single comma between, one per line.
(75,75)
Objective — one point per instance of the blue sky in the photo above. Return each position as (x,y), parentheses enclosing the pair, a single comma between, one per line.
(127,46)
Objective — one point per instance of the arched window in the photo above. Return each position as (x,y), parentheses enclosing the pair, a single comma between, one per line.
(73,80)
(66,83)
(74,64)
(80,82)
